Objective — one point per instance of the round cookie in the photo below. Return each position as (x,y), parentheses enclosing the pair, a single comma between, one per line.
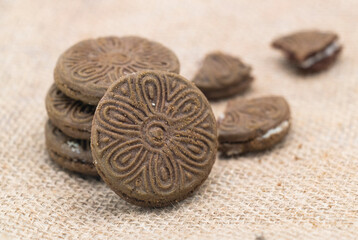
(222,76)
(72,117)
(154,138)
(253,125)
(72,154)
(87,69)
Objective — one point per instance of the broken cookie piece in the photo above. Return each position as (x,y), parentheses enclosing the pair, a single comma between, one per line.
(222,76)
(253,125)
(310,51)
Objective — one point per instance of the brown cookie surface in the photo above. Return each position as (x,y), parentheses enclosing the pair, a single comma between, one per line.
(310,50)
(222,76)
(72,154)
(252,125)
(154,138)
(86,70)
(72,117)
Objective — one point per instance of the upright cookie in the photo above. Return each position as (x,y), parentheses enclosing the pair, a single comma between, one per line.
(310,51)
(74,118)
(253,125)
(72,154)
(87,69)
(154,138)
(222,76)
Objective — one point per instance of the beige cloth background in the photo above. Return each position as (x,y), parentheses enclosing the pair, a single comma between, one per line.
(305,188)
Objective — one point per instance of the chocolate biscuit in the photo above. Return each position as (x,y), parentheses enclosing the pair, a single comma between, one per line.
(87,69)
(154,138)
(72,117)
(222,76)
(253,125)
(72,154)
(310,51)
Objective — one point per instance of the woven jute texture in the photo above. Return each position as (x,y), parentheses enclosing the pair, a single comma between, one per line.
(304,188)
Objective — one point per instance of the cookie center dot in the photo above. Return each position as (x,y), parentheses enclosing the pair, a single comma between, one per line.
(155,132)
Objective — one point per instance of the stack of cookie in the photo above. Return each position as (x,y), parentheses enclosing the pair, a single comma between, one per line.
(82,75)
(120,110)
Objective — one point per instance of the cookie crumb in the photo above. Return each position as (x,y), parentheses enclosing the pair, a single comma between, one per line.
(261,237)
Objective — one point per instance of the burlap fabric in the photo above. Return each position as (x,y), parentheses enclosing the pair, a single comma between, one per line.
(305,188)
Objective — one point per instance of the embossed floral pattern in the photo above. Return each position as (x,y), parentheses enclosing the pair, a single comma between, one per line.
(154,135)
(90,66)
(67,109)
(73,117)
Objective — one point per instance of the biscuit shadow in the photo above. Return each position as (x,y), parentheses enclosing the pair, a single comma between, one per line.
(110,204)
(81,175)
(290,69)
(73,175)
(254,155)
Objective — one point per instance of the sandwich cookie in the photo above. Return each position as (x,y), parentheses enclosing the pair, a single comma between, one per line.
(310,51)
(87,69)
(253,125)
(222,76)
(72,154)
(154,138)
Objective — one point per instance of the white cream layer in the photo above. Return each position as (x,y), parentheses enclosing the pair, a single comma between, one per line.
(75,147)
(327,52)
(277,130)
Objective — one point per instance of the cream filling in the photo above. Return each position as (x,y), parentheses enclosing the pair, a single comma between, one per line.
(277,130)
(75,147)
(327,52)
